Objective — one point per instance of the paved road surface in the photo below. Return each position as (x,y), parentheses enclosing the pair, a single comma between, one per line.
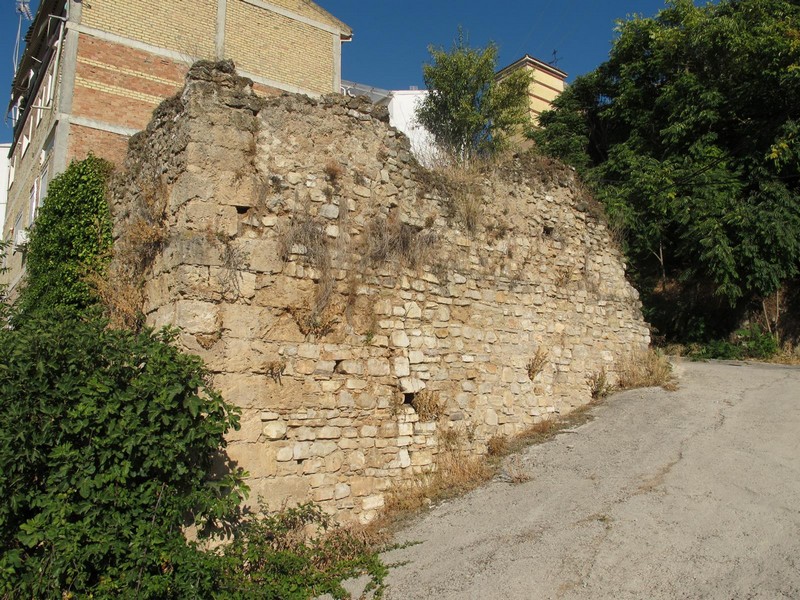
(687,494)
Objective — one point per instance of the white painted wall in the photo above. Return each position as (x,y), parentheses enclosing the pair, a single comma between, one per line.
(402,115)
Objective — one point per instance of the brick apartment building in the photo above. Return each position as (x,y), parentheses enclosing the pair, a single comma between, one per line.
(92,73)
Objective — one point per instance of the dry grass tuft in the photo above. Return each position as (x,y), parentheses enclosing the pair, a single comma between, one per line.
(391,239)
(306,237)
(536,363)
(645,369)
(497,445)
(428,405)
(598,384)
(120,289)
(455,475)
(333,171)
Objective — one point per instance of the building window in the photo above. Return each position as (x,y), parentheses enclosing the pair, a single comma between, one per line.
(43,182)
(34,200)
(48,88)
(12,167)
(20,234)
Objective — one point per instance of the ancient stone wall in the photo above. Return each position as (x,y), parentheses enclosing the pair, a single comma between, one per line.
(364,313)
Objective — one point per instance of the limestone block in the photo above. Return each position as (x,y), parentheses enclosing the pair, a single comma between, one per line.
(329,433)
(329,211)
(350,367)
(490,417)
(305,434)
(411,385)
(399,339)
(260,255)
(304,367)
(401,366)
(368,431)
(356,460)
(405,429)
(322,449)
(387,430)
(416,356)
(341,490)
(285,454)
(260,460)
(275,430)
(372,502)
(421,458)
(334,461)
(378,367)
(280,492)
(197,317)
(326,367)
(301,451)
(355,384)
(412,310)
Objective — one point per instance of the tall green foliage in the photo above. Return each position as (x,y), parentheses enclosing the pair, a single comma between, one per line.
(111,449)
(468,112)
(689,135)
(70,238)
(106,446)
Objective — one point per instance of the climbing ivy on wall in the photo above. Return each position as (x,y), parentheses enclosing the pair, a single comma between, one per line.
(70,238)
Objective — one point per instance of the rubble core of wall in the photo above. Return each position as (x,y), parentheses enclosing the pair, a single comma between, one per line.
(337,294)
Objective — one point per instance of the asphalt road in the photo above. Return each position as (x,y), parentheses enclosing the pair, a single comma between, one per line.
(686,494)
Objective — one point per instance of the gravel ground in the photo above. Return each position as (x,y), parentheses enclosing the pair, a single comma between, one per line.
(686,494)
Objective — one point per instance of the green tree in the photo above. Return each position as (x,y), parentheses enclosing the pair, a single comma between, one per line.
(689,135)
(466,109)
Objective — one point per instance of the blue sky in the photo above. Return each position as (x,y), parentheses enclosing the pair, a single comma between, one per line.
(390,39)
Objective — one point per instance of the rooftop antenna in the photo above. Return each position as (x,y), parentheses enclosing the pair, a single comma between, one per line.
(24,12)
(554,61)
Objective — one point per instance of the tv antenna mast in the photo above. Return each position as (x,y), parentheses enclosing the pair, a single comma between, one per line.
(555,59)
(24,12)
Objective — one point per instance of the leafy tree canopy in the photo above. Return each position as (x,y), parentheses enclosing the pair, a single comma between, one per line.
(689,135)
(467,110)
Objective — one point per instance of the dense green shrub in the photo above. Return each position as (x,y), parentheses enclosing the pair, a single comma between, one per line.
(70,238)
(748,342)
(272,557)
(111,448)
(106,445)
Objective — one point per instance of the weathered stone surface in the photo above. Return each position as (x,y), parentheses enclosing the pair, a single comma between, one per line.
(292,289)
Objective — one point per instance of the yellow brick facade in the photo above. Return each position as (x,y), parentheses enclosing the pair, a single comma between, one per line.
(308,10)
(118,59)
(273,46)
(547,82)
(184,26)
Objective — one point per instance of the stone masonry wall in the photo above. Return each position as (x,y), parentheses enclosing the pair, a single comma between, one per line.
(363,312)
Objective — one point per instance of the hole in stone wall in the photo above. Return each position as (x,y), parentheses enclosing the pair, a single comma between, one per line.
(409,399)
(548,230)
(242,210)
